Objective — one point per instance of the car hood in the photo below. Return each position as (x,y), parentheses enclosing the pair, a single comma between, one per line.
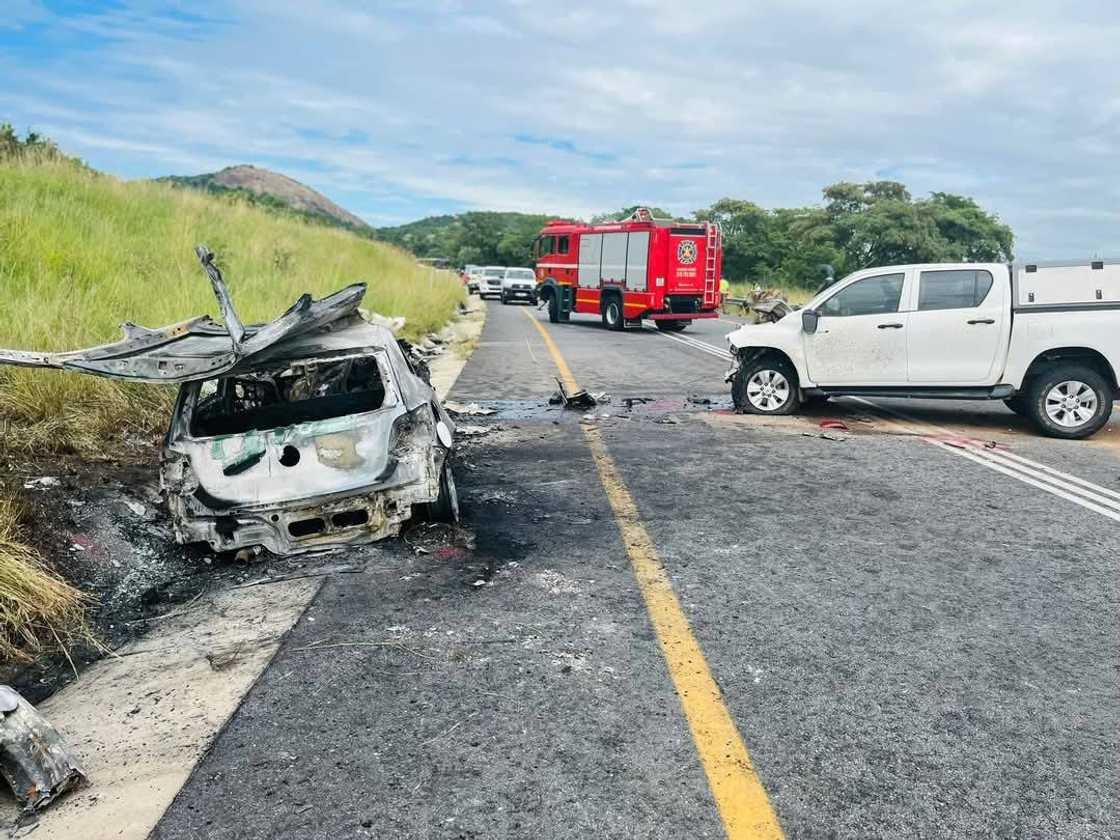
(198,348)
(750,335)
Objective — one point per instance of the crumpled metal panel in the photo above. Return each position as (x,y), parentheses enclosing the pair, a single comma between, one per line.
(198,348)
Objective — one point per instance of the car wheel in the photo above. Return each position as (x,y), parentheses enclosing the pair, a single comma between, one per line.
(1070,401)
(765,386)
(671,326)
(612,313)
(446,506)
(505,300)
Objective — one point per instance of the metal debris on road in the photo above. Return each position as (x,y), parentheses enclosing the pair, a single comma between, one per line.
(824,436)
(580,399)
(473,409)
(840,425)
(474,431)
(34,760)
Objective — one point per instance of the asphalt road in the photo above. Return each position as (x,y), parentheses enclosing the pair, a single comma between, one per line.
(913,624)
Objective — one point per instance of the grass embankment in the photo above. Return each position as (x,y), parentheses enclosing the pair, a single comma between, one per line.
(80,252)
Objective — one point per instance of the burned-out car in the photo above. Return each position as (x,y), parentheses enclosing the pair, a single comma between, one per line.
(317,429)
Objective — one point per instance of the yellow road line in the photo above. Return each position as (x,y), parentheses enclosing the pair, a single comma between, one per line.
(738,792)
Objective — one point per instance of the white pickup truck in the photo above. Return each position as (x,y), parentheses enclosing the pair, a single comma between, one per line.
(1042,337)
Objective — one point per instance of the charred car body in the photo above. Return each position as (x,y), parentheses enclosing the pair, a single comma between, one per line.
(311,431)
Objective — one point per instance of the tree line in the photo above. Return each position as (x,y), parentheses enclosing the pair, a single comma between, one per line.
(31,145)
(858,225)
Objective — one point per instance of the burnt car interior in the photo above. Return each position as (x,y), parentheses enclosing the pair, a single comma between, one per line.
(288,393)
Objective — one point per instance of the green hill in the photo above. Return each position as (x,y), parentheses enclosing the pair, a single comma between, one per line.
(272,190)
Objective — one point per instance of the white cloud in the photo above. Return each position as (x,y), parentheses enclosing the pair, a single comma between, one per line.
(398,106)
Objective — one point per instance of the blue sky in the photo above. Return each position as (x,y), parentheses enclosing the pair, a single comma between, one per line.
(398,110)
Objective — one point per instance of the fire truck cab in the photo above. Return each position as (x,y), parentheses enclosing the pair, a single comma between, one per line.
(627,271)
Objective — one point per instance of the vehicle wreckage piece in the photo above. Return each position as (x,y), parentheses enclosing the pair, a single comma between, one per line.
(579,400)
(197,348)
(312,431)
(34,760)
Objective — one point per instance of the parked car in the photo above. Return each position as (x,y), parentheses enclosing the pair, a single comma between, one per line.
(519,284)
(313,430)
(1042,337)
(474,277)
(490,283)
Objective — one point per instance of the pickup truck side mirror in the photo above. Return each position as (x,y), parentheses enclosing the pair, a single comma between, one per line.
(809,319)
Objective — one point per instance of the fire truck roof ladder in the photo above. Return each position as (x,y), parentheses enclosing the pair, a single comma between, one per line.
(711,282)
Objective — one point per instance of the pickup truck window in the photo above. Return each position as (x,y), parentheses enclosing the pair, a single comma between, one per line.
(870,296)
(961,289)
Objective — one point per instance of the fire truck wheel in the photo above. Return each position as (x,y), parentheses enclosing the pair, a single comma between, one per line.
(612,313)
(765,386)
(671,326)
(553,308)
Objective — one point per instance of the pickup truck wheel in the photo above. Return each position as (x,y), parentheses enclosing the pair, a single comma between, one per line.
(765,386)
(1070,401)
(612,313)
(671,326)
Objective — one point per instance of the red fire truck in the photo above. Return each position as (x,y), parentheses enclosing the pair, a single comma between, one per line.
(663,270)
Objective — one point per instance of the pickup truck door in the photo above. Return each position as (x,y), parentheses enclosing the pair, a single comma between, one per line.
(958,327)
(861,335)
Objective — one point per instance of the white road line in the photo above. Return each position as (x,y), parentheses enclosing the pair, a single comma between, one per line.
(1081,492)
(1026,479)
(696,344)
(1100,495)
(1088,495)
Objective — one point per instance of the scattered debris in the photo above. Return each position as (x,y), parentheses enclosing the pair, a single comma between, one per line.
(696,399)
(667,420)
(472,409)
(839,425)
(33,758)
(630,402)
(43,483)
(474,431)
(580,399)
(136,507)
(824,436)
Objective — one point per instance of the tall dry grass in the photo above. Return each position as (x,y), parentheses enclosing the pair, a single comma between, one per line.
(38,611)
(80,252)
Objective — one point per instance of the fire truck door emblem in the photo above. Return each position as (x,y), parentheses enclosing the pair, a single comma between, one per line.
(686,252)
